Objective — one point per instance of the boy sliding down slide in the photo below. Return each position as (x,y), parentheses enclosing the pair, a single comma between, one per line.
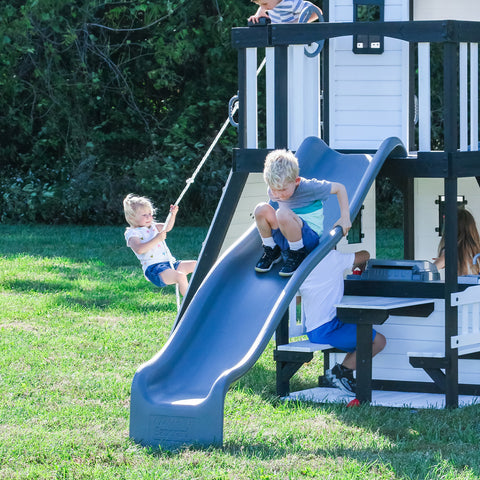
(297,225)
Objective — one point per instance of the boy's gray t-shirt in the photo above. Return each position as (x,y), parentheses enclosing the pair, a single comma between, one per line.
(307,201)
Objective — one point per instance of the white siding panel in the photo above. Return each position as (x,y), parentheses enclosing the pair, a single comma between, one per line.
(365,102)
(365,73)
(447,10)
(345,58)
(368,117)
(373,88)
(366,135)
(363,86)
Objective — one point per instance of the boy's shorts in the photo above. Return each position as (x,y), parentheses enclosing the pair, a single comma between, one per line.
(310,238)
(152,273)
(338,334)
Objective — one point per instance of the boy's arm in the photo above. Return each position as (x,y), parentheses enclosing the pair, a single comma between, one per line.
(361,259)
(314,15)
(261,12)
(344,221)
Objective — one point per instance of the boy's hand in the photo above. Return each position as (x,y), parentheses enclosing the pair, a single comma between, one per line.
(345,223)
(261,12)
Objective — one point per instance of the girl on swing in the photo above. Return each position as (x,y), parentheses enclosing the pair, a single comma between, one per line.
(147,240)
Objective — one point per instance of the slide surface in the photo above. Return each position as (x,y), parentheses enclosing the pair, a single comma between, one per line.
(177,397)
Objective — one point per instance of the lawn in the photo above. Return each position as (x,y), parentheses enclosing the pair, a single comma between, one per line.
(77,319)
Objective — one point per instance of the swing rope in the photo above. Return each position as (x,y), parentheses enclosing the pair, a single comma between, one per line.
(191,180)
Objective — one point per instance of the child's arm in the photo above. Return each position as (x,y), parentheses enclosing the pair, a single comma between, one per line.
(439,262)
(344,221)
(171,220)
(314,16)
(261,12)
(138,247)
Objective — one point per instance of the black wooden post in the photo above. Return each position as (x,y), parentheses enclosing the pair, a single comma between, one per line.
(450,112)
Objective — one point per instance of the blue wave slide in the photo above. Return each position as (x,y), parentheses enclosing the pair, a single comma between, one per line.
(177,397)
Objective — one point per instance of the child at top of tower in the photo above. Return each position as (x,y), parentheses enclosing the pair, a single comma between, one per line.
(281,11)
(297,225)
(147,240)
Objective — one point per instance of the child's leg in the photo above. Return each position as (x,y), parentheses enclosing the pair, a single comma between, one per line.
(378,344)
(186,266)
(266,220)
(301,239)
(170,276)
(290,225)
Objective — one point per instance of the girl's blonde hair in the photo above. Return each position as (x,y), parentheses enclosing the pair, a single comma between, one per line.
(281,167)
(131,203)
(468,243)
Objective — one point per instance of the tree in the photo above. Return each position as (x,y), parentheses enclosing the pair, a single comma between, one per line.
(100,99)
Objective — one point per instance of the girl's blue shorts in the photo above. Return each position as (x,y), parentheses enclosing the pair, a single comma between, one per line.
(338,334)
(153,272)
(310,238)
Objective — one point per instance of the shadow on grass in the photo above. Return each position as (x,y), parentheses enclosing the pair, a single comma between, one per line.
(134,295)
(427,444)
(423,443)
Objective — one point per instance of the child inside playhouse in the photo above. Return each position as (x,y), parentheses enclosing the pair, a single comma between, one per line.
(468,242)
(297,225)
(147,240)
(320,292)
(282,11)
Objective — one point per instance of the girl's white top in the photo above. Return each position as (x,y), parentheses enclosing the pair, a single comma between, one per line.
(158,254)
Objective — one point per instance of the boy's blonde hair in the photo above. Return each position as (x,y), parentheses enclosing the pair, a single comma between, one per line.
(131,203)
(281,167)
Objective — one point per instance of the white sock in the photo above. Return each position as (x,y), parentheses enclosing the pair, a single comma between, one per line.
(268,242)
(296,245)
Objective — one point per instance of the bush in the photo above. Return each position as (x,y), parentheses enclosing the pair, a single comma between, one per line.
(99,100)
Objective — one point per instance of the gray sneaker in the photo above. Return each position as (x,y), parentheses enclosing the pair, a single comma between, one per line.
(342,378)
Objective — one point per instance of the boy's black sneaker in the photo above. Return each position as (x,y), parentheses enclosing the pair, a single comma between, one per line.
(341,378)
(269,258)
(294,259)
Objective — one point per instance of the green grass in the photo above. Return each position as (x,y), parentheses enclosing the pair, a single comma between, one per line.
(77,319)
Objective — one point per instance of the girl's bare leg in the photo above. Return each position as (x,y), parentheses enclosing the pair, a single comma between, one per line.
(187,266)
(171,276)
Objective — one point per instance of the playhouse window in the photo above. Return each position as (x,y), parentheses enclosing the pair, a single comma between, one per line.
(368,11)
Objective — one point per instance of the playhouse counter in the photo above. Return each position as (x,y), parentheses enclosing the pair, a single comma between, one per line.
(391,369)
(366,311)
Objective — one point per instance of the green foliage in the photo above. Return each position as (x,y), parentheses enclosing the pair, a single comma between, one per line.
(100,99)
